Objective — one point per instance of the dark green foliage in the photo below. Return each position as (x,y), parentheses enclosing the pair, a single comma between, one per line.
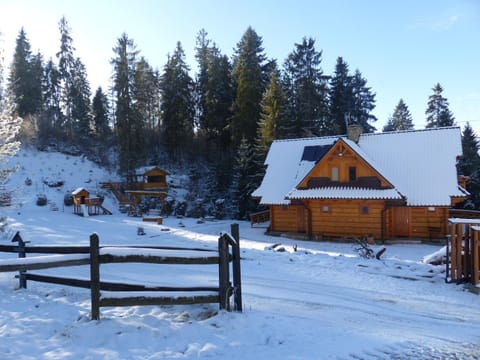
(128,123)
(250,74)
(469,165)
(363,103)
(51,116)
(438,113)
(100,112)
(80,101)
(147,101)
(176,88)
(341,98)
(272,116)
(401,118)
(351,101)
(242,185)
(306,90)
(26,77)
(214,96)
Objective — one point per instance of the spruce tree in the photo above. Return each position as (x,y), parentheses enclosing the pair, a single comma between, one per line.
(25,77)
(307,89)
(128,124)
(401,119)
(51,117)
(341,98)
(100,113)
(438,113)
(469,165)
(272,116)
(214,97)
(363,104)
(242,185)
(176,88)
(250,75)
(80,102)
(147,100)
(66,64)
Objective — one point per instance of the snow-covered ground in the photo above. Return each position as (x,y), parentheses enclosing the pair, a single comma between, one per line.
(320,302)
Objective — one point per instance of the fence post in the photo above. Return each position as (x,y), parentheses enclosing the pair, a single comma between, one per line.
(475,260)
(447,256)
(95,276)
(223,273)
(237,276)
(22,279)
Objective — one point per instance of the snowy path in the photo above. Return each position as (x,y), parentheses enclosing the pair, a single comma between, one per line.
(321,302)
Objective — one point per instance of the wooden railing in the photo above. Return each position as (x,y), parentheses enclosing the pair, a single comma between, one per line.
(259,217)
(462,251)
(134,294)
(463,214)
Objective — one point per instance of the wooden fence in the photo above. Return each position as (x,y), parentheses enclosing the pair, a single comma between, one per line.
(463,251)
(105,294)
(260,217)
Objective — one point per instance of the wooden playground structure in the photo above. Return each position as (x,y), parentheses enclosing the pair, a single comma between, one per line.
(463,251)
(84,205)
(146,183)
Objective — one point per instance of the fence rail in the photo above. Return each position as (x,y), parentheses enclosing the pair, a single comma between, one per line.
(122,294)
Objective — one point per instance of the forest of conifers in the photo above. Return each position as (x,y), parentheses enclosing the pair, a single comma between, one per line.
(224,117)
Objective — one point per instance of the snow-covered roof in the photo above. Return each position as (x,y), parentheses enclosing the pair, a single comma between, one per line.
(145,169)
(344,193)
(420,164)
(285,168)
(78,190)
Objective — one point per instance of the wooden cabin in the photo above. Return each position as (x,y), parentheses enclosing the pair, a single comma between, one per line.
(385,185)
(84,205)
(150,178)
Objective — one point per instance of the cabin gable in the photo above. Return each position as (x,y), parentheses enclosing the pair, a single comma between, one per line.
(343,166)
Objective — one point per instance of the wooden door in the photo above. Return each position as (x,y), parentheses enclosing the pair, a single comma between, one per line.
(300,219)
(401,221)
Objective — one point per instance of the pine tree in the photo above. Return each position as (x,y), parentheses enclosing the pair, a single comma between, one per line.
(272,116)
(214,97)
(100,113)
(147,100)
(80,102)
(66,64)
(176,88)
(364,103)
(242,179)
(401,119)
(438,113)
(25,77)
(469,165)
(341,98)
(307,89)
(128,123)
(51,117)
(250,75)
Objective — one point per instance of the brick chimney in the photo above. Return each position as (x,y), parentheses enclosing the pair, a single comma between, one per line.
(353,132)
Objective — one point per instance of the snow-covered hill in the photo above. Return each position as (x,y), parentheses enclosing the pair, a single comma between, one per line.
(322,301)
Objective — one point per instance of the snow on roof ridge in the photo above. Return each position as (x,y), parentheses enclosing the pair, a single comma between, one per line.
(309,138)
(411,131)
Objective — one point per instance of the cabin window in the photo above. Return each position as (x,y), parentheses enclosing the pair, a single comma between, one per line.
(334,173)
(352,173)
(325,209)
(364,210)
(431,209)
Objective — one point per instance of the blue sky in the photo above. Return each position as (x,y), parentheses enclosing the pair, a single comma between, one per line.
(403,48)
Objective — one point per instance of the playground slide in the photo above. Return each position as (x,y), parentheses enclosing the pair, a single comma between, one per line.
(84,209)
